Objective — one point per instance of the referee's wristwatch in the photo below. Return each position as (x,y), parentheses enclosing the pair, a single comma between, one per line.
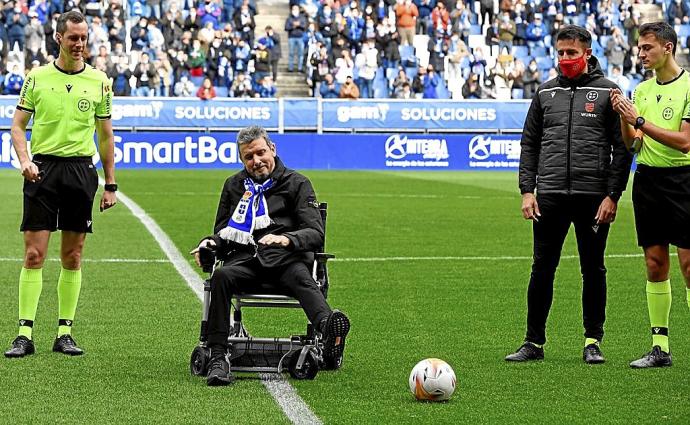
(639,122)
(110,187)
(615,196)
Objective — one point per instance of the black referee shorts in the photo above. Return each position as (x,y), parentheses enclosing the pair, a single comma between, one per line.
(661,200)
(63,197)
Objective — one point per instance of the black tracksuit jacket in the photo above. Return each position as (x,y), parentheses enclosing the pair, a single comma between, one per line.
(571,141)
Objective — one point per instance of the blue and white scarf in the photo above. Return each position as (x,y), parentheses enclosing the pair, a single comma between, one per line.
(250,214)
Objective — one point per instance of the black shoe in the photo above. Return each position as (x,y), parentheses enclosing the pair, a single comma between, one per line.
(65,344)
(655,358)
(527,352)
(219,369)
(335,330)
(592,354)
(21,346)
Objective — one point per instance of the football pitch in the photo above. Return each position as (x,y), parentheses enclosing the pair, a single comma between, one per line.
(429,264)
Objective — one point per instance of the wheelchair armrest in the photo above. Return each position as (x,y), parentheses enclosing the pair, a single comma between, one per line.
(322,257)
(207,258)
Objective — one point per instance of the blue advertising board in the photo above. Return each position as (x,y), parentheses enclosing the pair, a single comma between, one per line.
(438,115)
(380,151)
(313,114)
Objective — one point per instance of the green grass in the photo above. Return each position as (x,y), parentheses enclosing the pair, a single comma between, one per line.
(139,322)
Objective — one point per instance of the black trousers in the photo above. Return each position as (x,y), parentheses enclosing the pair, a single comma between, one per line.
(294,279)
(557,213)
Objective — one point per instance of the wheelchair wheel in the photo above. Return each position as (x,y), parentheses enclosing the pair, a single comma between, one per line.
(198,364)
(309,369)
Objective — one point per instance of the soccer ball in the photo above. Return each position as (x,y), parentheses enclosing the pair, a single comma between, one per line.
(432,380)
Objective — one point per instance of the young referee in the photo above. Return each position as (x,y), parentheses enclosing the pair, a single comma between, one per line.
(67,100)
(659,117)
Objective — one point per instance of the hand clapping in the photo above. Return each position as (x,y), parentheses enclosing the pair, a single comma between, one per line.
(623,106)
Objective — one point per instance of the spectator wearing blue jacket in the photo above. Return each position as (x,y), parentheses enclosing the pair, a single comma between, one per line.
(15,21)
(41,7)
(424,7)
(326,20)
(330,89)
(431,81)
(267,89)
(209,11)
(535,32)
(13,81)
(355,29)
(140,35)
(295,26)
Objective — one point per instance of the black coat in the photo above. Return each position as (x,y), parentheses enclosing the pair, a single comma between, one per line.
(571,141)
(294,213)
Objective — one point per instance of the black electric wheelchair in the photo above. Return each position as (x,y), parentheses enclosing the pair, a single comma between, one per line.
(300,355)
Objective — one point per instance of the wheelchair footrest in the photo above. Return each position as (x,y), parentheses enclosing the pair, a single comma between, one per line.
(249,354)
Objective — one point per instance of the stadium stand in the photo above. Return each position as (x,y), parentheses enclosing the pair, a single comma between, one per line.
(188,40)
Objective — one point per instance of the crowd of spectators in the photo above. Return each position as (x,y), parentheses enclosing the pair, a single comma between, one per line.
(152,48)
(501,49)
(457,49)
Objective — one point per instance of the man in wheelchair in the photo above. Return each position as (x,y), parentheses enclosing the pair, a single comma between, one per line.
(267,227)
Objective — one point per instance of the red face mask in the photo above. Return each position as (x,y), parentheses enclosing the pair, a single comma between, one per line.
(572,68)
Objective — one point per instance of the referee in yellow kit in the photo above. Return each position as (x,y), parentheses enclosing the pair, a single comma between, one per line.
(68,101)
(660,114)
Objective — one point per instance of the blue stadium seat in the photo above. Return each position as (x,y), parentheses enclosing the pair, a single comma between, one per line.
(581,19)
(544,62)
(597,50)
(544,76)
(381,90)
(411,72)
(391,73)
(520,51)
(406,51)
(683,31)
(633,83)
(604,63)
(475,30)
(538,51)
(442,91)
(603,40)
(221,91)
(197,80)
(518,93)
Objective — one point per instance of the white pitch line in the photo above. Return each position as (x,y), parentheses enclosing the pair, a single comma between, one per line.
(100,260)
(468,258)
(354,259)
(296,410)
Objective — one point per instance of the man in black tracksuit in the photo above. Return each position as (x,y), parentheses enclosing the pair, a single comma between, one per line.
(574,157)
(281,253)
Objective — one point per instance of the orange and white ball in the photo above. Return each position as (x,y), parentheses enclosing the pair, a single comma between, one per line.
(432,380)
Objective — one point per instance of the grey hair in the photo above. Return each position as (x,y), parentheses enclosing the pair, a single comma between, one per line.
(251,133)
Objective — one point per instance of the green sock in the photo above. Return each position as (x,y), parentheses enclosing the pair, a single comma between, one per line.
(69,285)
(30,286)
(590,341)
(659,305)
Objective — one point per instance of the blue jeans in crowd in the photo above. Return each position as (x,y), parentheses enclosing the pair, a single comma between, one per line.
(144,91)
(295,51)
(366,88)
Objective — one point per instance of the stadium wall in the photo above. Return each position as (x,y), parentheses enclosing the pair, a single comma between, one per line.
(391,135)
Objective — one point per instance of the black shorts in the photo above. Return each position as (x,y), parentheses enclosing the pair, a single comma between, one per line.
(63,197)
(661,199)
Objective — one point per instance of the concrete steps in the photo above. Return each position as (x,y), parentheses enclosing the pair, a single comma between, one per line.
(274,13)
